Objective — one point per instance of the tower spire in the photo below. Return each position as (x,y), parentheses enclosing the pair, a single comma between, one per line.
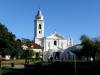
(39,14)
(39,27)
(70,40)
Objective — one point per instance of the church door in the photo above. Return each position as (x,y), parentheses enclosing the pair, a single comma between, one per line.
(57,55)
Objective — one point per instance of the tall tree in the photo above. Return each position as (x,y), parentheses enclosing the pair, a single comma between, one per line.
(85,40)
(97,46)
(8,44)
(90,47)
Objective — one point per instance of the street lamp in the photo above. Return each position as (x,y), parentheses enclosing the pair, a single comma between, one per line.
(74,64)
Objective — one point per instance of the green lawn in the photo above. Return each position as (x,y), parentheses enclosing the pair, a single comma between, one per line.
(18,61)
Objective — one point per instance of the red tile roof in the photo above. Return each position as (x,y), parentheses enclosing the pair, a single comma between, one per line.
(32,45)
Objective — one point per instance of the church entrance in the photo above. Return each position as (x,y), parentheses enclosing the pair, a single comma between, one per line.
(57,55)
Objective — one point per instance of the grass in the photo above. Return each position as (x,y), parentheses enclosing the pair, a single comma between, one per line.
(31,61)
(6,67)
(18,61)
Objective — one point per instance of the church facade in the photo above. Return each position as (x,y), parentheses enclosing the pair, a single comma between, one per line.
(53,45)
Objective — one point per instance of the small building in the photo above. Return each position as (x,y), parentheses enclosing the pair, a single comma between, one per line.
(32,46)
(69,52)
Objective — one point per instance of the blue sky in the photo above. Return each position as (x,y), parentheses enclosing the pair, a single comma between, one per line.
(67,17)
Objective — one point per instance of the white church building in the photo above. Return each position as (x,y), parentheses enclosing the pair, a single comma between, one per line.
(53,45)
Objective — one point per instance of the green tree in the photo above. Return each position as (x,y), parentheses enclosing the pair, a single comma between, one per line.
(97,46)
(28,53)
(8,44)
(85,40)
(17,50)
(6,39)
(90,47)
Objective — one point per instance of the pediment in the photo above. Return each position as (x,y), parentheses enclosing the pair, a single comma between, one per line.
(56,36)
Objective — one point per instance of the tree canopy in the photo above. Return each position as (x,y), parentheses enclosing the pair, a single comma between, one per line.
(8,44)
(91,47)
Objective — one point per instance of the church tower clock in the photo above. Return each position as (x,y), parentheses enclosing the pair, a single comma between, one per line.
(39,27)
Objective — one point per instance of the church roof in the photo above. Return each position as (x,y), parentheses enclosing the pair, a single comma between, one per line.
(39,15)
(56,36)
(74,47)
(39,12)
(32,45)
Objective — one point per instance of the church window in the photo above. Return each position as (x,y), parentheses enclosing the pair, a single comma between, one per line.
(55,42)
(39,26)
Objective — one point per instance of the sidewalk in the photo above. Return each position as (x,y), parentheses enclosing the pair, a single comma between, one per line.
(18,67)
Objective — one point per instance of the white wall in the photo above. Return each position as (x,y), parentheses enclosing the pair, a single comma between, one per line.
(37,50)
(49,44)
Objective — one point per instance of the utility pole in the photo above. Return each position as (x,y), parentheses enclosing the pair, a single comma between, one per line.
(74,64)
(42,53)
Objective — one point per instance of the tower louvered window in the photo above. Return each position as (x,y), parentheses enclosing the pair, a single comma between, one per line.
(39,26)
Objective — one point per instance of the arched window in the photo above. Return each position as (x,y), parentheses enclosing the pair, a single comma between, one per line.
(39,26)
(55,42)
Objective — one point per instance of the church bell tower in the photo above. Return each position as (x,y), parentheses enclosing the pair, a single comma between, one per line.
(39,27)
